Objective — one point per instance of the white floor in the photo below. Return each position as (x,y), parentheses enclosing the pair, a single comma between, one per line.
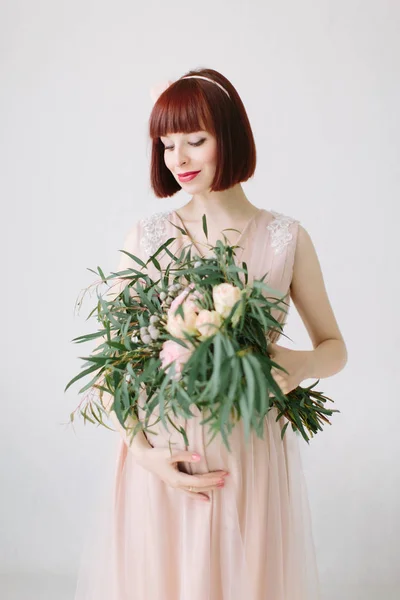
(360,592)
(52,587)
(31,587)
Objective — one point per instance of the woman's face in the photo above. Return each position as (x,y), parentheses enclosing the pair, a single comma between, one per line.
(185,152)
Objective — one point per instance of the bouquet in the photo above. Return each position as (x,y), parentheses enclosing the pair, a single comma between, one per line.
(196,336)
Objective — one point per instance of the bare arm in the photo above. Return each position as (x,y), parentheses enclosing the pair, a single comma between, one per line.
(310,297)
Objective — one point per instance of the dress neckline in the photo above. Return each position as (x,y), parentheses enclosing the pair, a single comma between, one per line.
(244,230)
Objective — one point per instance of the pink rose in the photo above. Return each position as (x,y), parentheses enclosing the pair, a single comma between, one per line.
(176,326)
(174,353)
(189,301)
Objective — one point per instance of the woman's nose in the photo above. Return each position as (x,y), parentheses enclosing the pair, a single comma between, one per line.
(181,158)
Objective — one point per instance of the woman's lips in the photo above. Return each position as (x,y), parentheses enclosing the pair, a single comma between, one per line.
(188,177)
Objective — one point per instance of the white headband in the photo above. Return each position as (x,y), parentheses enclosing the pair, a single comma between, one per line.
(158,89)
(207,79)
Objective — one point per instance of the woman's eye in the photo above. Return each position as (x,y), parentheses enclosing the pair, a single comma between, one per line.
(198,143)
(190,143)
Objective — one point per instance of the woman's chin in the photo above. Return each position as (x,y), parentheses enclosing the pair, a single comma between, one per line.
(195,186)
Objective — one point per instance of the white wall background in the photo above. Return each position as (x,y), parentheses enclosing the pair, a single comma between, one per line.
(320,82)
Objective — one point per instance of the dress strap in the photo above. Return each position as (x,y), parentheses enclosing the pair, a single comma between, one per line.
(279,227)
(153,231)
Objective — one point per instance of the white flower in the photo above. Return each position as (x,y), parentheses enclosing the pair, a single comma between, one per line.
(176,326)
(208,322)
(225,297)
(154,332)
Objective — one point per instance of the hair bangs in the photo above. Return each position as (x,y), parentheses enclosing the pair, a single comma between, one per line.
(180,110)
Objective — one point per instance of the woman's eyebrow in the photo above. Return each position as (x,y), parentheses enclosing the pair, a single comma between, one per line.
(200,132)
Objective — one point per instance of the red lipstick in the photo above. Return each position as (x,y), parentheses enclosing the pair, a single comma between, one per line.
(188,176)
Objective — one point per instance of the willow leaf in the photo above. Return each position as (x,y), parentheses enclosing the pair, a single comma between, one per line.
(204,219)
(80,375)
(245,415)
(250,382)
(284,429)
(217,365)
(264,401)
(135,258)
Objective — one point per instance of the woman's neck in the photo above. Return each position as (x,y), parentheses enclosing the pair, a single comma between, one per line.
(229,205)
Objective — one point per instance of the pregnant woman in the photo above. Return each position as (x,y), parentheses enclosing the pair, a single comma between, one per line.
(197,522)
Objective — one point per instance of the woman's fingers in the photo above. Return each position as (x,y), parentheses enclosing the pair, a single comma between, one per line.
(205,482)
(199,497)
(201,482)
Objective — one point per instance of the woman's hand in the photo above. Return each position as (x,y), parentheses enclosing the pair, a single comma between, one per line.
(160,462)
(294,361)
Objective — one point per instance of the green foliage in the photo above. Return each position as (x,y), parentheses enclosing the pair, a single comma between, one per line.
(227,377)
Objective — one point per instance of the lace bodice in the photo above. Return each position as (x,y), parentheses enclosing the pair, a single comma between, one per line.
(154,229)
(280,234)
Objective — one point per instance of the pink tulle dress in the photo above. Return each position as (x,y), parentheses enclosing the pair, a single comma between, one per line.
(253,540)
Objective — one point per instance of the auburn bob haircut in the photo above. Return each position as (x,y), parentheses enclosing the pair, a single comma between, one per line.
(190,105)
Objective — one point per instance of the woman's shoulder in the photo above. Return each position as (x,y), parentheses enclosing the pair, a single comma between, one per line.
(283,230)
(155,219)
(152,229)
(280,219)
